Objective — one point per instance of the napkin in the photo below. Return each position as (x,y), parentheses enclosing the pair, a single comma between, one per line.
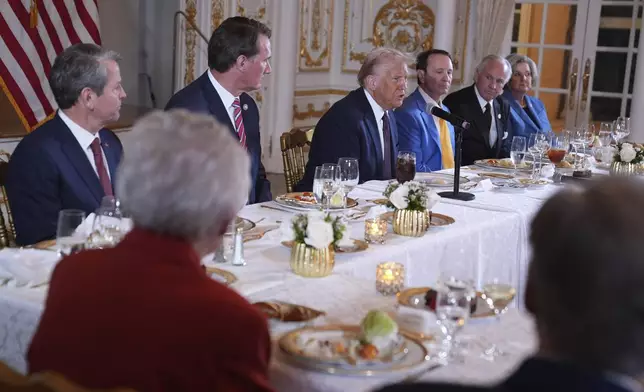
(247,288)
(287,312)
(375,212)
(85,228)
(547,170)
(27,267)
(482,186)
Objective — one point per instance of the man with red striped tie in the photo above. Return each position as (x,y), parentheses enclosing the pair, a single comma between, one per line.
(70,161)
(239,51)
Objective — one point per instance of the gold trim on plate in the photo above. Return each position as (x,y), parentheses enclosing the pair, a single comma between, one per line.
(228,276)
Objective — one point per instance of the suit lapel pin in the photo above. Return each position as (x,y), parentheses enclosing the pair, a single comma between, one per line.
(105,145)
(245,107)
(498,116)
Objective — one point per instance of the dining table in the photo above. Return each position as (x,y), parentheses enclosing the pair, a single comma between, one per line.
(487,240)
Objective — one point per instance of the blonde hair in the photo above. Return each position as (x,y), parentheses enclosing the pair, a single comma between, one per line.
(378,57)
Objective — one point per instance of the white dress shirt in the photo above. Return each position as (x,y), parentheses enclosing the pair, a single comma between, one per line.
(226,97)
(85,139)
(378,112)
(483,102)
(429,99)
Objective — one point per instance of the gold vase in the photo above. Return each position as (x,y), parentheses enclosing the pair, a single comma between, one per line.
(624,169)
(411,223)
(312,262)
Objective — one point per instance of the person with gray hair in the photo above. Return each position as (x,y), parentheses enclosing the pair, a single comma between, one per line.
(481,104)
(70,161)
(528,114)
(148,304)
(361,125)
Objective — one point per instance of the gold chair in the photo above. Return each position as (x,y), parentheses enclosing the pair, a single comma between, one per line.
(7,228)
(12,381)
(295,146)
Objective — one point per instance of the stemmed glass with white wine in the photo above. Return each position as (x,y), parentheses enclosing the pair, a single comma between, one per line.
(497,295)
(69,239)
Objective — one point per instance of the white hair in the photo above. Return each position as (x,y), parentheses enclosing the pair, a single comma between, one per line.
(515,59)
(182,174)
(507,68)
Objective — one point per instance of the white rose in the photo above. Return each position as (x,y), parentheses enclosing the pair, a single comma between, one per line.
(399,197)
(432,199)
(286,228)
(315,215)
(319,234)
(627,154)
(547,170)
(627,145)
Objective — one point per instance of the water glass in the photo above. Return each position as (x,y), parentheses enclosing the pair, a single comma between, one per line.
(453,304)
(69,240)
(518,151)
(621,128)
(317,186)
(330,178)
(349,174)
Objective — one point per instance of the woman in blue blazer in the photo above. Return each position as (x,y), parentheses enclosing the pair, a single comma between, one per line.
(527,114)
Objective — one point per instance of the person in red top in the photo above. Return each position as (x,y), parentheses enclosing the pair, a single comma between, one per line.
(144,314)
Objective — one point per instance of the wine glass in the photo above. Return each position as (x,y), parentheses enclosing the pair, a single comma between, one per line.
(605,134)
(108,228)
(580,138)
(558,148)
(622,128)
(349,173)
(405,166)
(317,186)
(497,294)
(453,304)
(69,240)
(518,151)
(330,178)
(538,144)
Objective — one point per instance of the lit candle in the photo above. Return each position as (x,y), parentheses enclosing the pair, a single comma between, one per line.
(375,230)
(390,278)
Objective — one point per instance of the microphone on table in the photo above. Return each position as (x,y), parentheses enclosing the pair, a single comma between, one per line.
(459,126)
(453,119)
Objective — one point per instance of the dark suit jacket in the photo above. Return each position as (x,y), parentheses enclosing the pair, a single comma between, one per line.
(476,145)
(146,316)
(49,172)
(349,129)
(417,132)
(201,96)
(534,375)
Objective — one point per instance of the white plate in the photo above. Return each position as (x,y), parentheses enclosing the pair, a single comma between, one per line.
(408,354)
(439,180)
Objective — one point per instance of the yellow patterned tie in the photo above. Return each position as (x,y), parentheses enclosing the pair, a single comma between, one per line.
(447,152)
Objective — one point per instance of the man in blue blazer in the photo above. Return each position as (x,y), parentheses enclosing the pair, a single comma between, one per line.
(361,125)
(238,57)
(528,114)
(429,137)
(70,161)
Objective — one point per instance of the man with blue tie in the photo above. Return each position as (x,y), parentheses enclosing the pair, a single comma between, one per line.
(361,125)
(70,161)
(239,54)
(430,137)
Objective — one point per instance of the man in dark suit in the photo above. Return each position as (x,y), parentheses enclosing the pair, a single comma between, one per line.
(238,57)
(585,288)
(489,114)
(145,314)
(361,125)
(70,161)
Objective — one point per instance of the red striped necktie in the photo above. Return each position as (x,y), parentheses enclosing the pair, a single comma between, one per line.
(239,122)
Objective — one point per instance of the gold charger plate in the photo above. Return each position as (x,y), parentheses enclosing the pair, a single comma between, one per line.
(222,276)
(380,202)
(415,298)
(45,245)
(307,200)
(495,175)
(415,353)
(358,246)
(436,219)
(244,223)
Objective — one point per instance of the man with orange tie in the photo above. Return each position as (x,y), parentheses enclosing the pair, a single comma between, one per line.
(430,137)
(239,54)
(70,161)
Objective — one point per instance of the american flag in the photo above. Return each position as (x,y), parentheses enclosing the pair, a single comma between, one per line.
(32,33)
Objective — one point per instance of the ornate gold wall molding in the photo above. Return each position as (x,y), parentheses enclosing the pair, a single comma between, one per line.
(407,25)
(216,14)
(190,42)
(459,52)
(314,14)
(310,111)
(314,93)
(259,13)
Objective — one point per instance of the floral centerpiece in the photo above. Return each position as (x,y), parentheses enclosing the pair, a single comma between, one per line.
(412,202)
(628,159)
(314,238)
